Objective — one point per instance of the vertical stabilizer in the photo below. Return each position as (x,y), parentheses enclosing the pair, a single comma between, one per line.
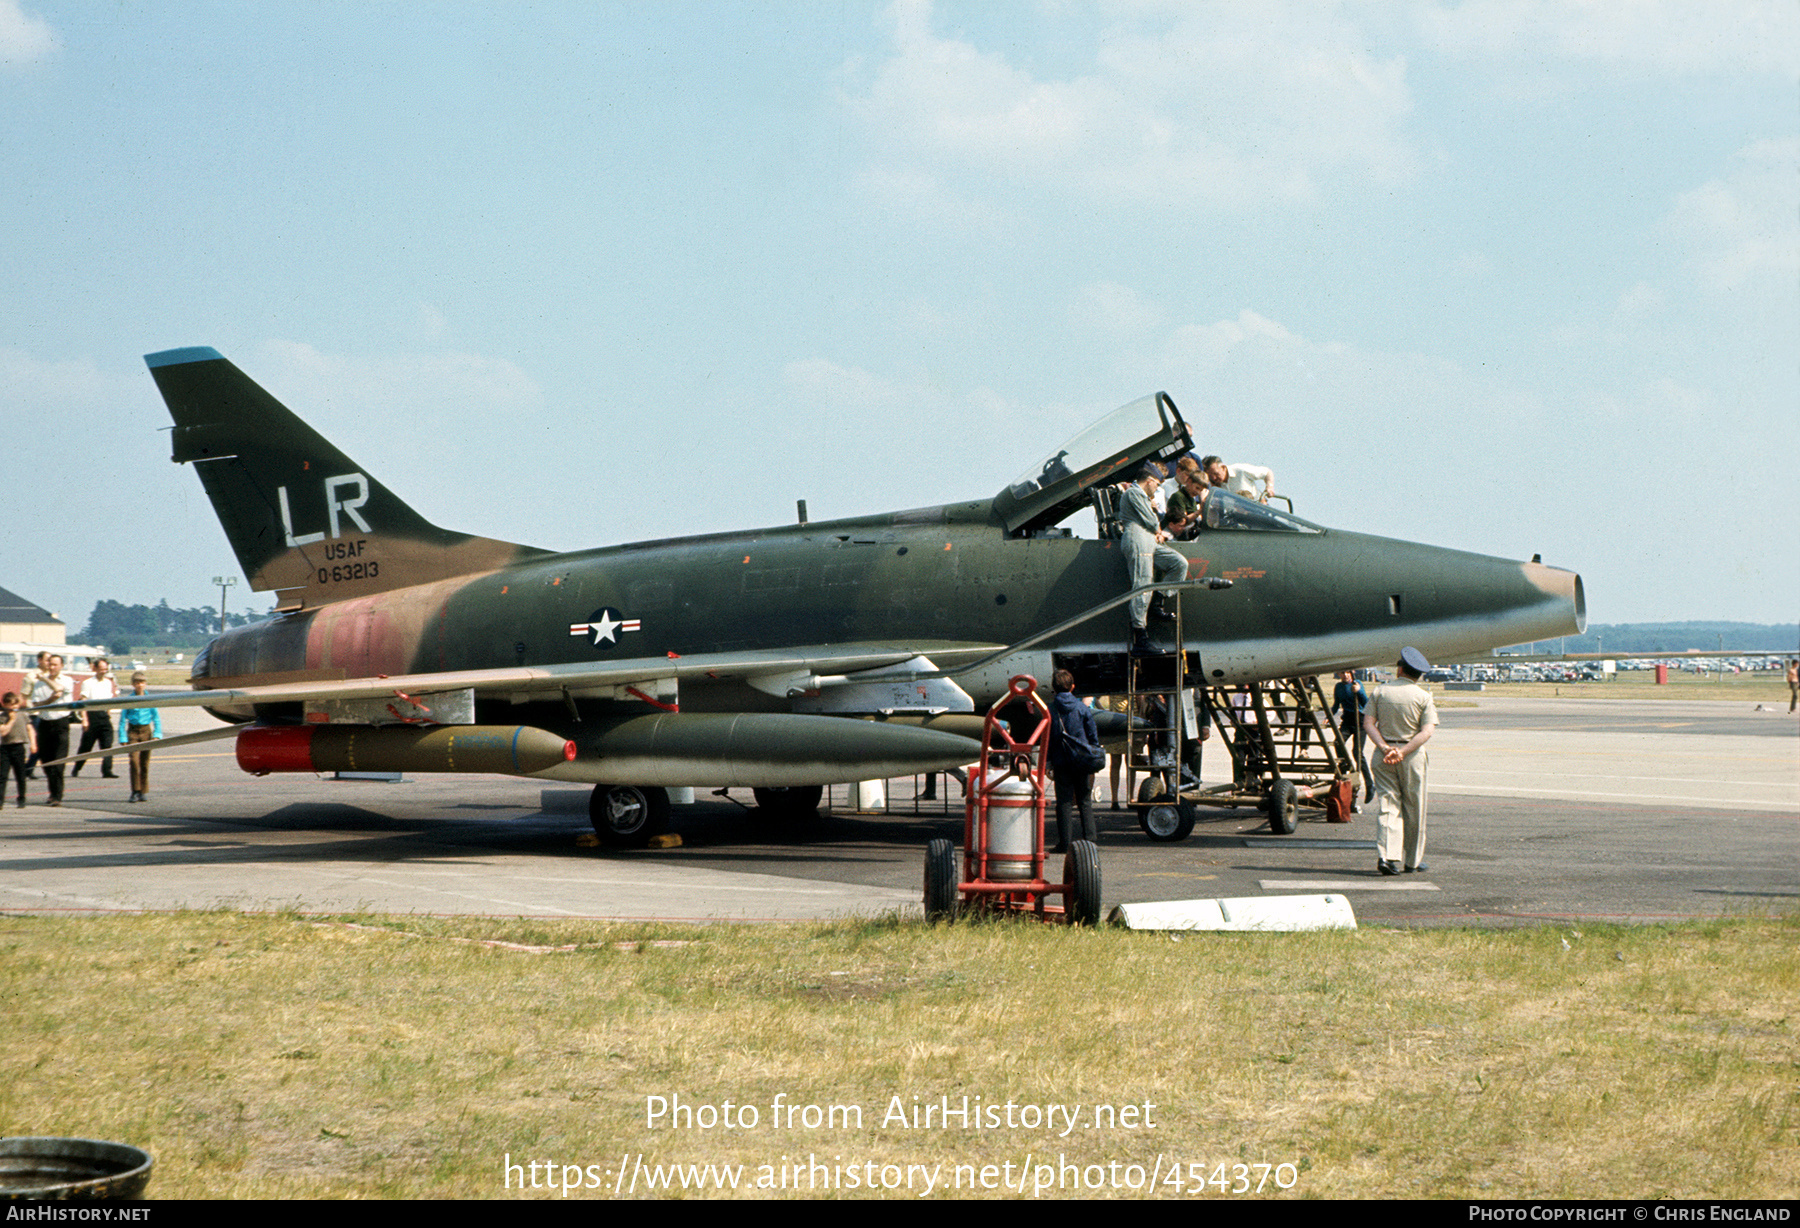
(305,520)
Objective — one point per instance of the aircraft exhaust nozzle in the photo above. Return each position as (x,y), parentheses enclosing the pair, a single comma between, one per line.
(507,750)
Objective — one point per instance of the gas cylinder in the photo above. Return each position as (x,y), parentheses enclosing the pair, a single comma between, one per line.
(1011,826)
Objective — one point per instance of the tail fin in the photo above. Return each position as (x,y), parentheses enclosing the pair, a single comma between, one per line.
(305,520)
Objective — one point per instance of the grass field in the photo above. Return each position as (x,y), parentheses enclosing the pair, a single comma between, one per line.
(280,1056)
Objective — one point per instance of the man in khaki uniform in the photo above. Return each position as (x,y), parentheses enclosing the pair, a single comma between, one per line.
(1399,721)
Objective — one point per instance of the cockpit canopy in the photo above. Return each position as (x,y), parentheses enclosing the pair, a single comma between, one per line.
(1110,450)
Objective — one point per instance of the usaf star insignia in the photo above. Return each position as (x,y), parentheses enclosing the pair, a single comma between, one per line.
(605,625)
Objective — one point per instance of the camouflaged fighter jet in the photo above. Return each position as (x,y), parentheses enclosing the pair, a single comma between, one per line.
(733,659)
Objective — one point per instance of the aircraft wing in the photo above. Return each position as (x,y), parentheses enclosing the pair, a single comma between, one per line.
(576,679)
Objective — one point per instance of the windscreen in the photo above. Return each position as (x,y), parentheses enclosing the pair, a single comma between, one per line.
(1228,511)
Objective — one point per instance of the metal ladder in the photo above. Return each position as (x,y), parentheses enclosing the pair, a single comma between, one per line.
(1157,742)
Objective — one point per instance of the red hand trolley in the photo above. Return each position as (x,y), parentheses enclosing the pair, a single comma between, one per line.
(1003,832)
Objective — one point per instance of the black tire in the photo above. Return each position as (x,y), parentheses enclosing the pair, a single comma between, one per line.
(941,887)
(1283,807)
(789,805)
(1081,868)
(627,816)
(1166,819)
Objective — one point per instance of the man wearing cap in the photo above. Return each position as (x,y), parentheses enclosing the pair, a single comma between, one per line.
(1399,721)
(1146,555)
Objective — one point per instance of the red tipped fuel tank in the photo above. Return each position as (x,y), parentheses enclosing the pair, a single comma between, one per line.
(511,750)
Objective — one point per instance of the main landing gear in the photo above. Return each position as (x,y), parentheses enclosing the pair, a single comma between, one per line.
(628,816)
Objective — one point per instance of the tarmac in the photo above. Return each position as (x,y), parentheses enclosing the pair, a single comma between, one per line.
(1542,810)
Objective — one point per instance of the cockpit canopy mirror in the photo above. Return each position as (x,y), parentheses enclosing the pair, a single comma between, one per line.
(1150,428)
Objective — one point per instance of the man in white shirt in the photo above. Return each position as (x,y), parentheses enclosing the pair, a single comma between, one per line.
(1240,480)
(52,687)
(99,734)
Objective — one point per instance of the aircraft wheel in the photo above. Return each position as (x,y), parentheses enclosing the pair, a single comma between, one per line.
(1154,786)
(941,894)
(1167,819)
(789,805)
(626,816)
(1283,807)
(1082,868)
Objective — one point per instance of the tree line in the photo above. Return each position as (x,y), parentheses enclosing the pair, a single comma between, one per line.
(122,627)
(1713,637)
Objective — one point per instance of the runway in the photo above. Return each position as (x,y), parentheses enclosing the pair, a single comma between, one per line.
(1556,809)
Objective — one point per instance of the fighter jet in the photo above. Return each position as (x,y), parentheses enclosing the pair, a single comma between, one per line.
(734,659)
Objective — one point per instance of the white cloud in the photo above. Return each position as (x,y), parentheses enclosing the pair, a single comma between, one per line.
(68,384)
(919,193)
(23,38)
(1678,36)
(857,397)
(1227,105)
(400,387)
(1209,346)
(1638,303)
(431,320)
(1109,307)
(928,442)
(1746,225)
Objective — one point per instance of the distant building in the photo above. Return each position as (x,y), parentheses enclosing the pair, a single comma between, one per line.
(24,622)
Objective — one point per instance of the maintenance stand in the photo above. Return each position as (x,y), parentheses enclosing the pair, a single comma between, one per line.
(1285,751)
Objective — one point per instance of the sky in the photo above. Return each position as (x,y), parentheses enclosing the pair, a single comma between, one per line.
(1511,276)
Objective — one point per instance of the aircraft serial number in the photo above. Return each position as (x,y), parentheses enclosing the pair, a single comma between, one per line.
(350,571)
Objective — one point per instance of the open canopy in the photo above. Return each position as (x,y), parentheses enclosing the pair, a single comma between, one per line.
(1148,428)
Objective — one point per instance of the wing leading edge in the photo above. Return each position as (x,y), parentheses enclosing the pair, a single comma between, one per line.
(798,666)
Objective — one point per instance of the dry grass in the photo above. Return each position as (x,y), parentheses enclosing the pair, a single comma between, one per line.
(274,1056)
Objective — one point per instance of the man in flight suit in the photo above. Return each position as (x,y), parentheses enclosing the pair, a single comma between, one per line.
(1399,721)
(1147,557)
